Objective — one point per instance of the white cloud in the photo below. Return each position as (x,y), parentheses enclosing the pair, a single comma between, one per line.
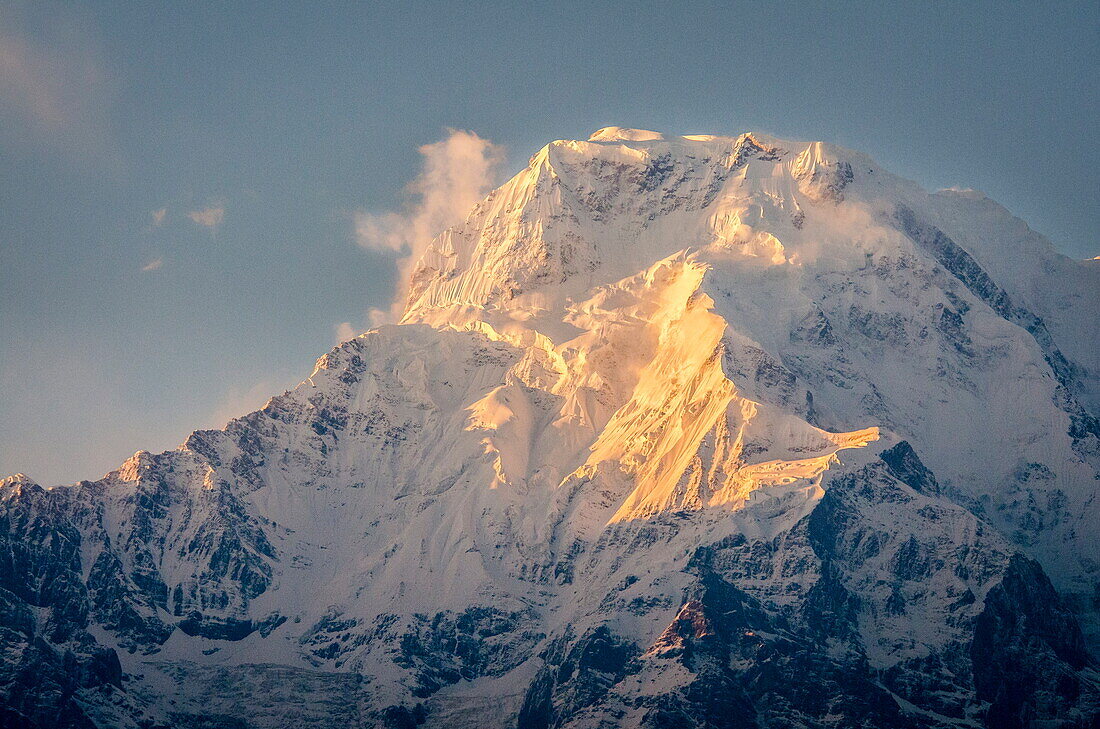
(382,232)
(457,172)
(344,332)
(153,265)
(208,217)
(158,216)
(378,317)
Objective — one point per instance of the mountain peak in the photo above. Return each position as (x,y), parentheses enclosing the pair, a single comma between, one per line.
(17,479)
(635,441)
(625,134)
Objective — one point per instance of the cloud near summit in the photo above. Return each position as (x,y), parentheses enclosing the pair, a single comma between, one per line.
(457,172)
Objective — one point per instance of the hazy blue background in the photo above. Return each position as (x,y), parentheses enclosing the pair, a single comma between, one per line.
(290,121)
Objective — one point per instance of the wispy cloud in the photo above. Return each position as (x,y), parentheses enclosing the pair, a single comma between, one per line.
(375,318)
(378,317)
(208,217)
(344,332)
(237,402)
(153,265)
(31,82)
(54,87)
(158,217)
(457,172)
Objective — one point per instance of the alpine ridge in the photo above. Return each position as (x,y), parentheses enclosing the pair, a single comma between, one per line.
(675,431)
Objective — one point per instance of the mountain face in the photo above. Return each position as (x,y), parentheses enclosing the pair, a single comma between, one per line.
(675,432)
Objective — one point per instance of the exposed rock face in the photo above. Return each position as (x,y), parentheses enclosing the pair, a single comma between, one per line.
(676,432)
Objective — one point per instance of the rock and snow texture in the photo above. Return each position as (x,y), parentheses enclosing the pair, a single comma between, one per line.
(675,432)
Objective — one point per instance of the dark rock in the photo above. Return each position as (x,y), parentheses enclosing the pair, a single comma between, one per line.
(1027,653)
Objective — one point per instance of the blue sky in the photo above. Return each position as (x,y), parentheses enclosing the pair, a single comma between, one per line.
(261,134)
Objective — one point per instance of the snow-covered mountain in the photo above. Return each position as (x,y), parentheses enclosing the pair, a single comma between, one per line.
(675,432)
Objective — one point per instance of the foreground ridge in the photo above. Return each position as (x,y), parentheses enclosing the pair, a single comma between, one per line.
(688,431)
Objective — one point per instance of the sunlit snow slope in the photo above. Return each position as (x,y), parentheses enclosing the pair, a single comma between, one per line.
(814,281)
